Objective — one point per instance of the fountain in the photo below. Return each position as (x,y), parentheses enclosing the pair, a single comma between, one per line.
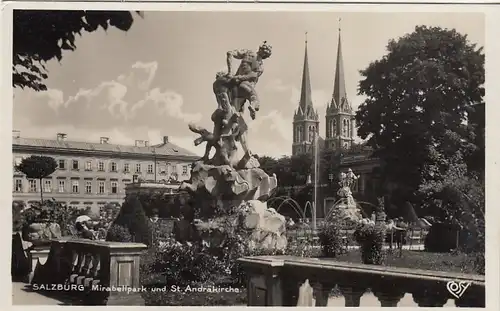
(237,184)
(346,205)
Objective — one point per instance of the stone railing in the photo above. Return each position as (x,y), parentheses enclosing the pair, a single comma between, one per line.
(88,272)
(295,281)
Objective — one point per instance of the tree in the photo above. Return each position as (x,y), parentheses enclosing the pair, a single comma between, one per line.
(418,98)
(42,35)
(37,167)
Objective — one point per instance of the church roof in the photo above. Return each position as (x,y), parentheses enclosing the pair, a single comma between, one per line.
(306,108)
(339,102)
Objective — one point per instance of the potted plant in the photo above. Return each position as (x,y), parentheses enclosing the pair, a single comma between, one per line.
(370,237)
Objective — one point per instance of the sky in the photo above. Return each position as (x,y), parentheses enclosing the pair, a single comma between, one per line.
(156,78)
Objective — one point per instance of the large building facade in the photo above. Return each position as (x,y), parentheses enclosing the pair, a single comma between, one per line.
(93,174)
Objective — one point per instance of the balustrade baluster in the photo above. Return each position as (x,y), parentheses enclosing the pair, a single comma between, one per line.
(430,297)
(321,291)
(291,289)
(471,299)
(389,296)
(352,294)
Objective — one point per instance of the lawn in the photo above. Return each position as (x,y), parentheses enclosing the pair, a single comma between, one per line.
(450,262)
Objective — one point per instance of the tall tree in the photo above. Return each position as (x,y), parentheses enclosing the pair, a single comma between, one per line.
(37,167)
(42,35)
(418,97)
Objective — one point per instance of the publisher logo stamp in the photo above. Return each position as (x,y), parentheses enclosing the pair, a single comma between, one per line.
(457,289)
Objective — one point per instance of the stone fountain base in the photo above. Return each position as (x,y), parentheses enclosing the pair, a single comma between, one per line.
(258,227)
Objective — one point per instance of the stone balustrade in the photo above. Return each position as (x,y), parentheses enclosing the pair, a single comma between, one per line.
(296,281)
(90,272)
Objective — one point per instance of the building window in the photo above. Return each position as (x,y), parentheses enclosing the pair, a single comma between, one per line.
(88,187)
(101,166)
(47,185)
(18,185)
(75,164)
(114,187)
(126,167)
(184,170)
(62,186)
(61,165)
(150,168)
(33,187)
(101,187)
(113,166)
(138,168)
(88,165)
(75,184)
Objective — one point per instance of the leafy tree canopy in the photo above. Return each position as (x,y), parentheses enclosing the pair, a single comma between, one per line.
(418,98)
(37,167)
(40,36)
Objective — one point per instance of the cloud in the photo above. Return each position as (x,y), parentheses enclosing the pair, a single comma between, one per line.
(126,105)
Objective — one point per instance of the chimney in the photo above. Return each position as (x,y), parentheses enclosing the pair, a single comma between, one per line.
(104,140)
(165,139)
(61,136)
(16,134)
(146,143)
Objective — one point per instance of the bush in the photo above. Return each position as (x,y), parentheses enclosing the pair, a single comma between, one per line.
(332,235)
(118,233)
(50,211)
(370,238)
(441,238)
(17,216)
(174,263)
(331,239)
(132,217)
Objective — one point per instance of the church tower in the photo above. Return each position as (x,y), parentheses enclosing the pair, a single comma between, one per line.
(305,119)
(339,113)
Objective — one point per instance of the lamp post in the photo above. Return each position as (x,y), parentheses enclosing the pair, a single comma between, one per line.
(154,158)
(316,171)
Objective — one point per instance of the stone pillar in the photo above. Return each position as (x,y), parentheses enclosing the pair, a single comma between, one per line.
(123,271)
(264,286)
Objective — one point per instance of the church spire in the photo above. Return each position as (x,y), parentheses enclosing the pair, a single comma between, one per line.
(305,103)
(339,90)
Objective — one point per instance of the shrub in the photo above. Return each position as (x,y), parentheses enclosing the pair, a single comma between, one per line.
(331,239)
(332,234)
(17,216)
(50,211)
(132,217)
(174,263)
(370,238)
(441,238)
(118,233)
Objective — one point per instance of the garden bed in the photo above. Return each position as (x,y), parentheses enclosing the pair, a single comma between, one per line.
(181,298)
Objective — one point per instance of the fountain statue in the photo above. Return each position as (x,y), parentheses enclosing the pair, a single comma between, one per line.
(237,183)
(348,205)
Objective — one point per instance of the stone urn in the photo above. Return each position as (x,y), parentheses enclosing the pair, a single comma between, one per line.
(42,230)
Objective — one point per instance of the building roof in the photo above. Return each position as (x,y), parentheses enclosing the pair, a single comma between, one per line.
(339,102)
(306,108)
(165,149)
